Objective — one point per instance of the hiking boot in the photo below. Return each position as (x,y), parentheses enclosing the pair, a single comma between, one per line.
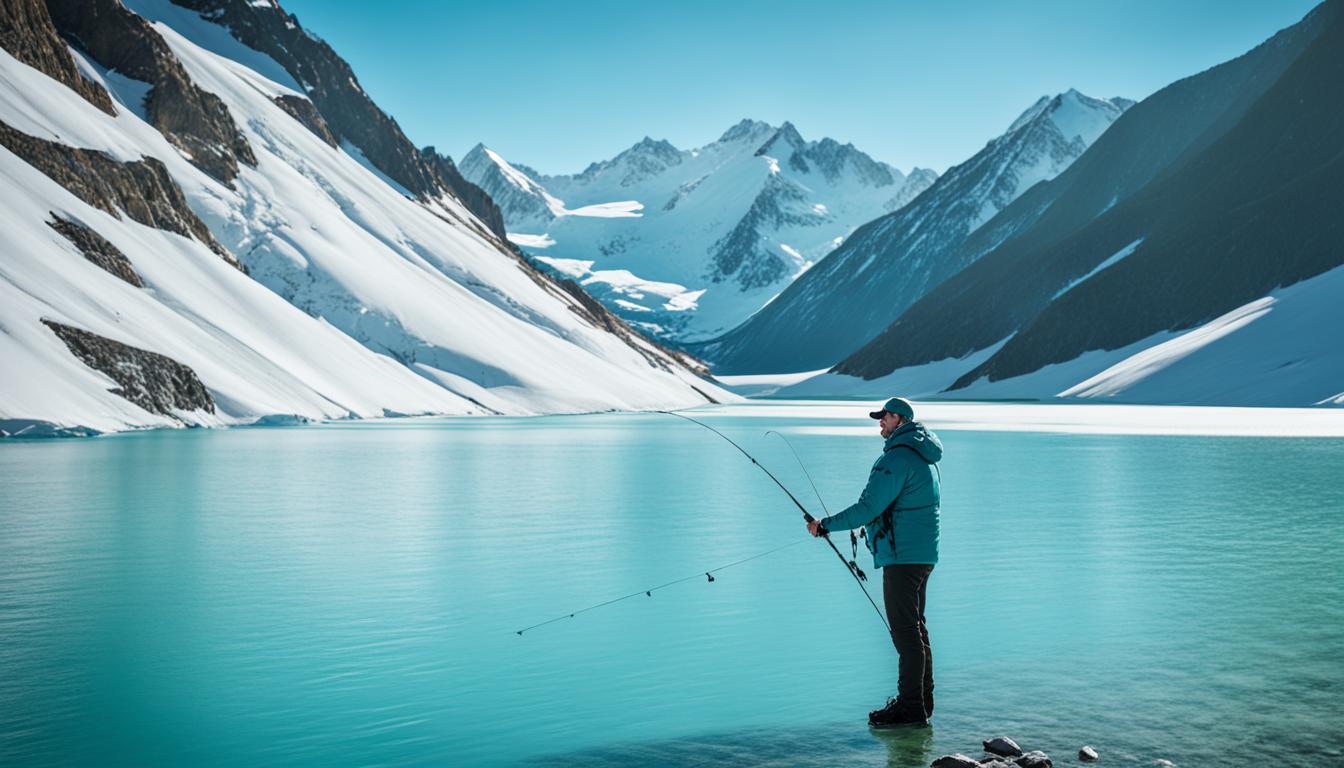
(897,713)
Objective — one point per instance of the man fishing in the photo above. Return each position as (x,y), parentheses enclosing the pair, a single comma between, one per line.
(899,510)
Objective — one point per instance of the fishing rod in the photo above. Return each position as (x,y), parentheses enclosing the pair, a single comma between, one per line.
(649,592)
(850,565)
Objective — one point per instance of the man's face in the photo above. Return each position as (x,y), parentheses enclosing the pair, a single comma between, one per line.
(888,423)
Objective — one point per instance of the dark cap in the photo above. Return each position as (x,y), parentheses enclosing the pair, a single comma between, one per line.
(897,405)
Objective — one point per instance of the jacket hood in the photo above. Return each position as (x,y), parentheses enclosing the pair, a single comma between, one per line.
(918,437)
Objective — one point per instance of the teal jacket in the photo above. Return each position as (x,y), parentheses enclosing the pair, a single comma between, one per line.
(899,506)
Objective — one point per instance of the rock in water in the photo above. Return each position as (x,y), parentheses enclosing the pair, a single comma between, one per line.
(1003,746)
(1087,754)
(1034,759)
(955,761)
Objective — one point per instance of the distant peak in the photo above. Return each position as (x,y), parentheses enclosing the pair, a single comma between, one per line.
(746,128)
(649,145)
(785,136)
(790,134)
(1031,113)
(1066,107)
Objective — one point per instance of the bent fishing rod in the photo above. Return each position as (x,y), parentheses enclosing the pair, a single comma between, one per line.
(850,565)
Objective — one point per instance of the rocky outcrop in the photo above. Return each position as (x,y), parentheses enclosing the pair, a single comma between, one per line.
(152,381)
(743,253)
(349,112)
(142,189)
(473,197)
(97,249)
(1002,746)
(27,33)
(1003,752)
(303,110)
(195,121)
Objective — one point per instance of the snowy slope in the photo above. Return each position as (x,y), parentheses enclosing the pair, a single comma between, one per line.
(688,243)
(376,303)
(1276,350)
(889,263)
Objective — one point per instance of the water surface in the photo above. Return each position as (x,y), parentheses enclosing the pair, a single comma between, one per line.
(347,594)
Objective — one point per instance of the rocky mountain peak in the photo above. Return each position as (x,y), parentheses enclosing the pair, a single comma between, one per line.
(746,129)
(1073,113)
(784,141)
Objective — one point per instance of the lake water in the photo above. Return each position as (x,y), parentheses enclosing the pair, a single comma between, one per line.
(348,594)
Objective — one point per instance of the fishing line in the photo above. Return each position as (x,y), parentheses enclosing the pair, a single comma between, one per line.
(851,565)
(853,540)
(649,592)
(803,467)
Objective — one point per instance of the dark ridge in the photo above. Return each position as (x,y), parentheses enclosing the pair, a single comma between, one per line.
(195,121)
(157,383)
(1257,210)
(473,197)
(303,110)
(335,91)
(27,33)
(739,253)
(143,189)
(96,249)
(1009,285)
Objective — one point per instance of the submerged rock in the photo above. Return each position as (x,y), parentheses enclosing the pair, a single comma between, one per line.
(1087,754)
(1003,746)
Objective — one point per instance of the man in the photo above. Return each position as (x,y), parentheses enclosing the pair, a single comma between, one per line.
(899,508)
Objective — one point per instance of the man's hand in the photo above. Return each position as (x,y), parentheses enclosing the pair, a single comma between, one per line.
(815,528)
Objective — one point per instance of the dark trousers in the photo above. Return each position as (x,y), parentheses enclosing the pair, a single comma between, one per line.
(903,588)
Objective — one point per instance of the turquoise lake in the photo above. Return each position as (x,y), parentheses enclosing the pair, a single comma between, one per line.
(348,594)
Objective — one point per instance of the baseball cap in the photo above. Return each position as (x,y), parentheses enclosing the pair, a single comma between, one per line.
(897,405)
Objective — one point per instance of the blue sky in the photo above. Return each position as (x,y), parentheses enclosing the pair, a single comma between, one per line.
(558,85)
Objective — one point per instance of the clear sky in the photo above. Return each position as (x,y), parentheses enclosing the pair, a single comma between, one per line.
(558,85)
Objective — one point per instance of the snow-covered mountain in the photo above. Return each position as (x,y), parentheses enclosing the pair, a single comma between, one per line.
(887,264)
(195,231)
(688,243)
(1193,255)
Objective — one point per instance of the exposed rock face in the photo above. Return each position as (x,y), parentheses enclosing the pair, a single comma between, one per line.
(472,196)
(27,33)
(97,249)
(195,121)
(303,110)
(152,381)
(349,112)
(143,189)
(743,253)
